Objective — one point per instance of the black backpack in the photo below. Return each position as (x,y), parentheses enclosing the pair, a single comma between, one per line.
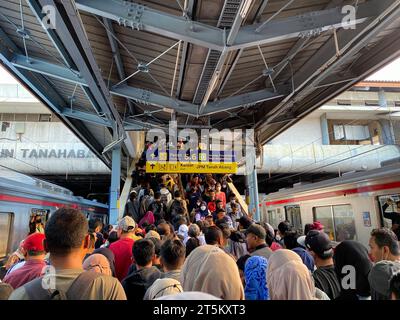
(176,208)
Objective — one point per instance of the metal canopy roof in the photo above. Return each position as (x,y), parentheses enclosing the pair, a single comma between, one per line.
(111,66)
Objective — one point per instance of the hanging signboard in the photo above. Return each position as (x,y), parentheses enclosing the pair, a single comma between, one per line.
(196,162)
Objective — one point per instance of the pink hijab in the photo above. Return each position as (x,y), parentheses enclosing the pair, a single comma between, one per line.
(147,218)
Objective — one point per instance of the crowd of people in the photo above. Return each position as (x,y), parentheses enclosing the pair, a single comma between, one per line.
(172,241)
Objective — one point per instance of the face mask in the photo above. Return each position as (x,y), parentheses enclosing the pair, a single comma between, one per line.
(203,208)
(198,203)
(278,237)
(224,186)
(232,201)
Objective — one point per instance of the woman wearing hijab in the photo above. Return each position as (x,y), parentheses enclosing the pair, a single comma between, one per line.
(255,275)
(163,287)
(288,278)
(183,232)
(202,211)
(353,253)
(97,263)
(203,271)
(192,295)
(110,257)
(147,218)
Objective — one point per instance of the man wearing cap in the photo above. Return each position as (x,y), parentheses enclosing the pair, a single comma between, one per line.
(34,252)
(122,248)
(255,239)
(321,248)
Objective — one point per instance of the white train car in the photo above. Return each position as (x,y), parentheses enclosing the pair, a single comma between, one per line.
(23,197)
(349,207)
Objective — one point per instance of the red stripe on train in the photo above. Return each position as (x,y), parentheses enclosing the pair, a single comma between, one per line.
(4,197)
(332,194)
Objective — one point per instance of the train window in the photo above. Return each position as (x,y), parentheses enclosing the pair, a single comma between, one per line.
(345,228)
(324,215)
(338,221)
(38,218)
(5,231)
(272,218)
(94,216)
(294,217)
(388,206)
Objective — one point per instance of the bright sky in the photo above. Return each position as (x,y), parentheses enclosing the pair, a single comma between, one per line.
(390,73)
(5,77)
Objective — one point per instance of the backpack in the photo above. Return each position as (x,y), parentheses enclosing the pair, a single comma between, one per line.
(176,208)
(35,290)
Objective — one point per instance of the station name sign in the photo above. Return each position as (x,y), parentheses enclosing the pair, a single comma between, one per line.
(47,153)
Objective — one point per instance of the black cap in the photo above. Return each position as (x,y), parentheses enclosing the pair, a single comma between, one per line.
(319,242)
(245,221)
(257,230)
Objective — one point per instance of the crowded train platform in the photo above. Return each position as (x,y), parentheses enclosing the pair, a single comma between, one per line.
(185,237)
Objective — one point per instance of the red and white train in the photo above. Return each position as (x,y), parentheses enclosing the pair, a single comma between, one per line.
(349,206)
(23,197)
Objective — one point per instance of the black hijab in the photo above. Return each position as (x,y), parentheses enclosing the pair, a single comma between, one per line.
(353,253)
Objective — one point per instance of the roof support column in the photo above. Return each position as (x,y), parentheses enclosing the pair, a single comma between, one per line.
(387,125)
(324,129)
(115,185)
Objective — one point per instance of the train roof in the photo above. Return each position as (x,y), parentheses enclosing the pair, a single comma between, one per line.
(391,171)
(21,183)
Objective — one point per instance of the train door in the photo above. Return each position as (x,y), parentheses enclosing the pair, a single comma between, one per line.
(388,208)
(275,216)
(338,221)
(6,222)
(293,215)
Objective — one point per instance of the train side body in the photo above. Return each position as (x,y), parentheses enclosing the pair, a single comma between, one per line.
(358,197)
(22,197)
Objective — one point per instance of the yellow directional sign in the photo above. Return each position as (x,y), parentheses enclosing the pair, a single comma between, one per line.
(191,167)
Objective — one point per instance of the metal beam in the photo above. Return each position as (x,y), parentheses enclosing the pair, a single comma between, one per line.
(376,58)
(145,96)
(137,16)
(136,94)
(239,17)
(185,48)
(303,25)
(117,56)
(148,97)
(246,99)
(298,46)
(258,15)
(318,67)
(85,116)
(44,92)
(48,69)
(37,11)
(73,36)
